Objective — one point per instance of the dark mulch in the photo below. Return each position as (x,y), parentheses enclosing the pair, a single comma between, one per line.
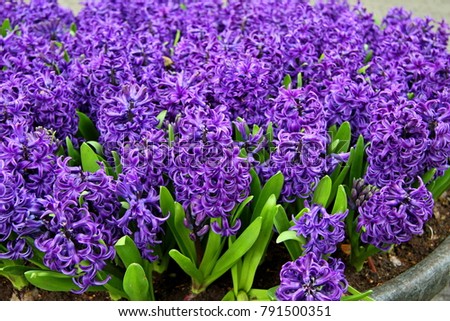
(175,285)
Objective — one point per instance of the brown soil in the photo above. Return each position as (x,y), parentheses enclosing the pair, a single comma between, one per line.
(175,285)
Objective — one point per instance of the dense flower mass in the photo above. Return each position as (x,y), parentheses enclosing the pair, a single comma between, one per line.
(310,278)
(394,214)
(322,231)
(212,98)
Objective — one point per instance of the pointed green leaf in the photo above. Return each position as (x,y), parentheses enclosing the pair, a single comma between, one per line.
(323,191)
(287,81)
(428,176)
(128,252)
(187,265)
(441,184)
(290,236)
(176,223)
(117,163)
(258,295)
(89,159)
(273,186)
(299,80)
(255,185)
(6,25)
(171,135)
(242,244)
(340,203)
(212,252)
(161,116)
(136,283)
(344,136)
(86,127)
(177,38)
(50,280)
(282,224)
(269,132)
(73,153)
(271,293)
(253,257)
(357,155)
(240,208)
(96,146)
(338,181)
(229,296)
(73,29)
(114,286)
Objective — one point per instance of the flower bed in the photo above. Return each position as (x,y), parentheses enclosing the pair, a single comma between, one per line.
(151,134)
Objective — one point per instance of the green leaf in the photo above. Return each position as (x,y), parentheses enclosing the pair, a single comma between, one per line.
(242,244)
(428,176)
(212,252)
(114,285)
(50,280)
(187,266)
(357,156)
(177,38)
(117,163)
(17,270)
(176,223)
(344,136)
(66,56)
(89,159)
(229,296)
(96,146)
(369,56)
(271,293)
(171,134)
(362,70)
(253,257)
(299,80)
(258,295)
(240,208)
(287,81)
(282,224)
(290,236)
(186,245)
(340,203)
(161,116)
(127,251)
(441,184)
(136,283)
(269,132)
(73,29)
(73,153)
(323,191)
(273,186)
(86,127)
(6,25)
(255,185)
(338,180)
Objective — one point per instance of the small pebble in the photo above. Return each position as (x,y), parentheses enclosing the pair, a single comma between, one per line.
(395,261)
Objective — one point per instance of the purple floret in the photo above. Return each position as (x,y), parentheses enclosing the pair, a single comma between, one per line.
(310,278)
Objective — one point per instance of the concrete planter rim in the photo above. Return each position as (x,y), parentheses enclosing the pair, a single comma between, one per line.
(421,282)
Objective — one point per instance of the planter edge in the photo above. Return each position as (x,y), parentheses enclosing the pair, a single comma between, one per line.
(421,282)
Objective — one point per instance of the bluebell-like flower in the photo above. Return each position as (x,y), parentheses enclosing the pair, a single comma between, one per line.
(310,278)
(301,159)
(395,214)
(209,176)
(322,231)
(398,144)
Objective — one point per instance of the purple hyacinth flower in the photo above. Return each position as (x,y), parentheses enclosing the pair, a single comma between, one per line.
(394,214)
(322,231)
(310,278)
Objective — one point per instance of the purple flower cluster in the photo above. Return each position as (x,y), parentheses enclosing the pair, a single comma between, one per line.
(209,64)
(323,231)
(310,278)
(209,176)
(394,214)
